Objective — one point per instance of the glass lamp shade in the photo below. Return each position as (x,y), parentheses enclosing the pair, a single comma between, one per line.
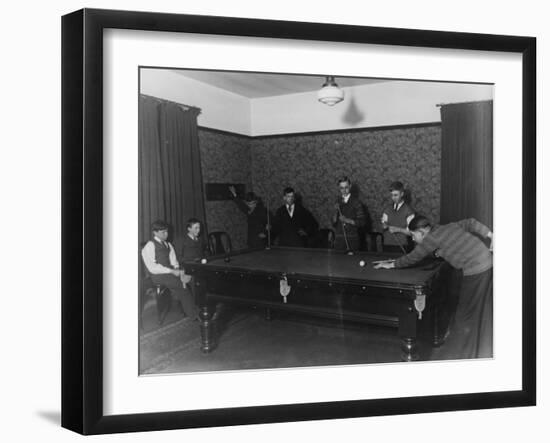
(330,94)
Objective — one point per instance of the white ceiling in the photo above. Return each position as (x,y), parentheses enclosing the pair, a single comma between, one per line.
(255,85)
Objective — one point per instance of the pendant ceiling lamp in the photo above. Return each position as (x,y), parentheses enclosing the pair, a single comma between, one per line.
(330,94)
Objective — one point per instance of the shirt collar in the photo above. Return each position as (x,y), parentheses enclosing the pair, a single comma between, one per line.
(398,205)
(162,242)
(346,198)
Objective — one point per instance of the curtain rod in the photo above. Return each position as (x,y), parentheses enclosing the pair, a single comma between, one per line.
(438,105)
(184,106)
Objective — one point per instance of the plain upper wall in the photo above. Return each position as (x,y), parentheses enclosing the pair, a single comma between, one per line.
(220,109)
(379,104)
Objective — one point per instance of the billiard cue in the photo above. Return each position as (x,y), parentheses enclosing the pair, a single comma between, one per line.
(397,241)
(391,260)
(268,229)
(343,228)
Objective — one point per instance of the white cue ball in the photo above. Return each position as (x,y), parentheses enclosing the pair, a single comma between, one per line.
(203,261)
(362,263)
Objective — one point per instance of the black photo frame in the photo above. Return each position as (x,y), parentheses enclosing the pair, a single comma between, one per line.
(82,220)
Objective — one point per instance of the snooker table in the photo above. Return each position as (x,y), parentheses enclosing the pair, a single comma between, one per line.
(324,283)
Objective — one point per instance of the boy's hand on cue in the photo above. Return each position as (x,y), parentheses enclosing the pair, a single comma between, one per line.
(388,264)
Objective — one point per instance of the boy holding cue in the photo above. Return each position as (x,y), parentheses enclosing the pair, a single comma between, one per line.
(470,335)
(349,217)
(395,219)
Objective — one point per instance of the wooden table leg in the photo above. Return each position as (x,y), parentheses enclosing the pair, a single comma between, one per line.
(409,349)
(408,332)
(206,312)
(207,329)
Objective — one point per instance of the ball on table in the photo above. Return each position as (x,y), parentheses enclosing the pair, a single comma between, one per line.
(362,263)
(203,261)
(227,259)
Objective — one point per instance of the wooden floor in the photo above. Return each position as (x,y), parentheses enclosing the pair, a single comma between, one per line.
(248,341)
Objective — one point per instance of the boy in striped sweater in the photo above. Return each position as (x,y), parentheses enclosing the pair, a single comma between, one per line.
(471,334)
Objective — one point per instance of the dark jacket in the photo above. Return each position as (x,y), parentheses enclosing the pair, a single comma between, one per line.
(257,221)
(285,228)
(188,249)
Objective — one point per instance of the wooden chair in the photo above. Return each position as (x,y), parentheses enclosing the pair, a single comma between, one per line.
(219,242)
(326,238)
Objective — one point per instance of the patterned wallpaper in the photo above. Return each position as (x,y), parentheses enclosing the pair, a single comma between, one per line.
(225,158)
(312,163)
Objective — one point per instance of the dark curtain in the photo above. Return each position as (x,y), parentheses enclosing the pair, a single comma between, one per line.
(467,162)
(170,184)
(151,195)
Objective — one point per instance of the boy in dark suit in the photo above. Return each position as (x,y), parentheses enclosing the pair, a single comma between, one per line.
(193,246)
(256,214)
(293,224)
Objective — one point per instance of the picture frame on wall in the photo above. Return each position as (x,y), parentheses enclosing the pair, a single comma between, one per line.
(103,390)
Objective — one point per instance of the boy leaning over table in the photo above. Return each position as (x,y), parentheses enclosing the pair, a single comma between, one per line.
(471,332)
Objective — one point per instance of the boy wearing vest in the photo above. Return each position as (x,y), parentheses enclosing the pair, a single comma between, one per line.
(160,259)
(395,219)
(471,333)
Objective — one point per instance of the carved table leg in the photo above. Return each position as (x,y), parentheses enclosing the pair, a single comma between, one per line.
(408,332)
(206,312)
(207,329)
(409,349)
